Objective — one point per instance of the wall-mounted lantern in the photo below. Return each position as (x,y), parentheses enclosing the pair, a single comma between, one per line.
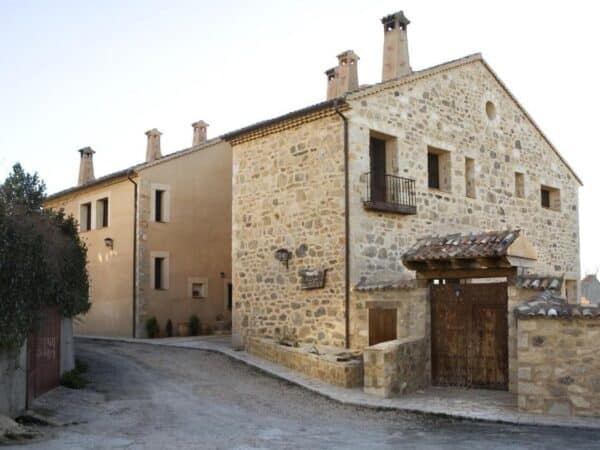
(109,242)
(222,274)
(283,255)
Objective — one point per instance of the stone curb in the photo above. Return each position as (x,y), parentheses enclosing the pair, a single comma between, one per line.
(344,398)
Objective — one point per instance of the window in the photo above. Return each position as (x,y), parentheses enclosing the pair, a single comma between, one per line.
(158,273)
(571,291)
(490,110)
(550,198)
(439,173)
(519,185)
(102,213)
(85,217)
(198,290)
(160,203)
(159,270)
(470,177)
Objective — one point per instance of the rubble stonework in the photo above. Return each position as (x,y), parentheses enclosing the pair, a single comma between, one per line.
(288,193)
(559,369)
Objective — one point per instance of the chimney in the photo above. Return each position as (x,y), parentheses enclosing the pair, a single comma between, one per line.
(395,47)
(344,77)
(86,166)
(153,148)
(199,132)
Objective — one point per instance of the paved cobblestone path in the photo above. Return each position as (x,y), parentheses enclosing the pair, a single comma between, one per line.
(146,397)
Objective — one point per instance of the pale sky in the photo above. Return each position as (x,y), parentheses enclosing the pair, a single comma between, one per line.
(99,74)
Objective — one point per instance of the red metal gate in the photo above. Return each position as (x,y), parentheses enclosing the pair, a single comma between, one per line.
(43,355)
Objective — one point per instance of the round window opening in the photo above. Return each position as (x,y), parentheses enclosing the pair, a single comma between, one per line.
(490,110)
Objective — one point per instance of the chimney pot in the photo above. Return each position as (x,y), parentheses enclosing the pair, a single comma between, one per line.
(86,166)
(396,62)
(199,132)
(153,148)
(344,77)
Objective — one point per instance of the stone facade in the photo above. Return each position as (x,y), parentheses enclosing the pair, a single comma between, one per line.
(288,192)
(445,108)
(397,367)
(348,374)
(559,368)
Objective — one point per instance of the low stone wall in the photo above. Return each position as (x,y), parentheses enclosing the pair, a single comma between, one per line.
(347,374)
(559,366)
(396,367)
(13,381)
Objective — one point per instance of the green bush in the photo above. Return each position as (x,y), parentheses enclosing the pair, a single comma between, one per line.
(194,325)
(152,327)
(73,379)
(169,328)
(80,366)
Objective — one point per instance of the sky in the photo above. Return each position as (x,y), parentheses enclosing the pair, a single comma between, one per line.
(82,73)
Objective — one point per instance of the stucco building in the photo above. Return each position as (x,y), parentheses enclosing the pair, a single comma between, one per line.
(420,210)
(158,237)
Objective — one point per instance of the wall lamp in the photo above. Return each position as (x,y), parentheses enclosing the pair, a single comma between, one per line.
(283,255)
(109,242)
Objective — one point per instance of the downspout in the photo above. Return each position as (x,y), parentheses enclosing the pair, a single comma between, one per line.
(134,271)
(346,223)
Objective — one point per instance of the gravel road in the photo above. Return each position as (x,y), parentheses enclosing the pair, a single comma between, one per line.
(145,397)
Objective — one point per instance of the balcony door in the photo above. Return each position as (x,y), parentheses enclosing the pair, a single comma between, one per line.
(378,169)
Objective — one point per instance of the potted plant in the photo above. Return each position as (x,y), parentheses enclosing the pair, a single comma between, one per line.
(194,325)
(169,328)
(152,328)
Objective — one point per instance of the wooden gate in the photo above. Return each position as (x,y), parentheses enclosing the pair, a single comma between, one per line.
(469,335)
(43,355)
(382,325)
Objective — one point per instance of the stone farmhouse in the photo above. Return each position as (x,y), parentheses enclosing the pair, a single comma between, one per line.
(405,221)
(158,237)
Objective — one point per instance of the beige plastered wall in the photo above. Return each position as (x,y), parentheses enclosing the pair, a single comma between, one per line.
(196,237)
(110,270)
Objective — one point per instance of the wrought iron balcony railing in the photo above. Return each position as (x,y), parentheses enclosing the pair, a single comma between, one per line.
(390,193)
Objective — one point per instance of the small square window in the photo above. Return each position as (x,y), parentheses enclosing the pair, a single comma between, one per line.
(550,198)
(198,290)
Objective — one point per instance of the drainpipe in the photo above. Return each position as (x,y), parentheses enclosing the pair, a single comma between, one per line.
(346,222)
(134,272)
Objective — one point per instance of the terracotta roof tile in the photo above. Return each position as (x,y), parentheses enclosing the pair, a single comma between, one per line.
(548,304)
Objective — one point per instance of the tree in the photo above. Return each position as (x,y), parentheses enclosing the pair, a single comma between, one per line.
(21,189)
(42,259)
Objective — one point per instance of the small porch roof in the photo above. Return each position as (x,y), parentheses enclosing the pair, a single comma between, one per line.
(488,249)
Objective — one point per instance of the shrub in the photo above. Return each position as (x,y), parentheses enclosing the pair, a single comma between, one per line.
(194,325)
(73,379)
(169,328)
(80,366)
(152,328)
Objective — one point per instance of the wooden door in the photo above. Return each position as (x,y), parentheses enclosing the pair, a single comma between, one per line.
(378,169)
(469,330)
(43,355)
(382,325)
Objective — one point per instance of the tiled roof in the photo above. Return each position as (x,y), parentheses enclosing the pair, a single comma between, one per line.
(539,282)
(462,246)
(547,304)
(400,283)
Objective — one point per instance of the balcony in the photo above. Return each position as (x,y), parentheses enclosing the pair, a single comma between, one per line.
(390,193)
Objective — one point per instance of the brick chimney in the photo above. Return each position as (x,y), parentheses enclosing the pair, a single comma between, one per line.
(395,47)
(344,77)
(153,149)
(86,166)
(199,132)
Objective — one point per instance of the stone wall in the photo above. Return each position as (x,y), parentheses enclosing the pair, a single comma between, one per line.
(346,374)
(13,381)
(397,367)
(559,368)
(288,192)
(413,319)
(446,110)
